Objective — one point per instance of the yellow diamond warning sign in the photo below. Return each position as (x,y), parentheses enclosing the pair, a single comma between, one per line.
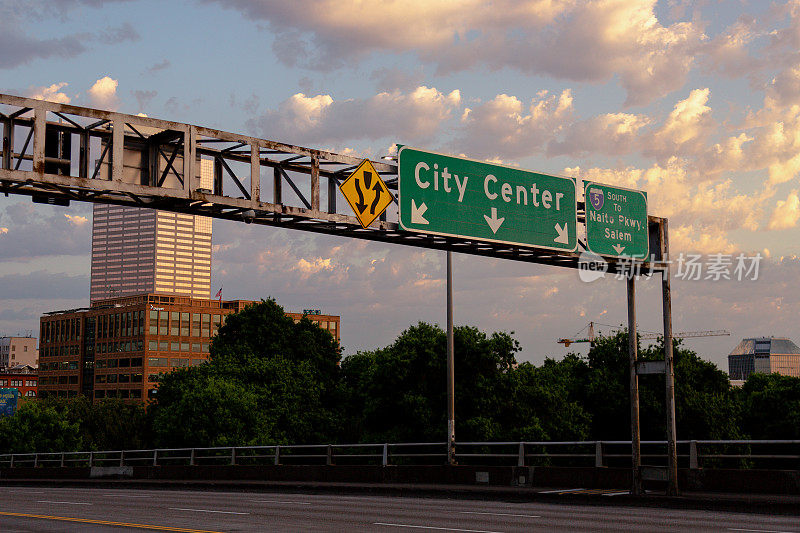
(366,193)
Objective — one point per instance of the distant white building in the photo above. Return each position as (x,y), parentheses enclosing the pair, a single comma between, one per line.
(766,355)
(18,351)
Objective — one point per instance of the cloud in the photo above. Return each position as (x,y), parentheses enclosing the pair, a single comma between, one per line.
(36,233)
(43,284)
(52,93)
(686,129)
(505,127)
(784,89)
(786,213)
(103,94)
(567,39)
(77,220)
(143,98)
(120,34)
(157,67)
(413,115)
(609,133)
(701,213)
(20,48)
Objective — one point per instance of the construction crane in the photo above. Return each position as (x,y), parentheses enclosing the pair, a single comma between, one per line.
(643,336)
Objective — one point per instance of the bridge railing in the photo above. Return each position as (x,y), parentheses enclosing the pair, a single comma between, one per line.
(771,454)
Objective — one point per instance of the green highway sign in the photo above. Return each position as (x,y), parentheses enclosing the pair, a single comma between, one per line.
(616,221)
(453,196)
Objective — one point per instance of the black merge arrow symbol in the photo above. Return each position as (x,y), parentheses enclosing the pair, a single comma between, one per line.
(360,205)
(378,188)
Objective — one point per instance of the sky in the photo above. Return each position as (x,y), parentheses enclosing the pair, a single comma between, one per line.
(697,103)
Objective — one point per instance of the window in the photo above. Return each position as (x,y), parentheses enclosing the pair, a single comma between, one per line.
(99,394)
(125,362)
(31,393)
(157,361)
(30,383)
(112,378)
(179,363)
(16,383)
(196,362)
(136,378)
(153,378)
(174,347)
(196,348)
(136,361)
(100,378)
(152,346)
(184,346)
(124,378)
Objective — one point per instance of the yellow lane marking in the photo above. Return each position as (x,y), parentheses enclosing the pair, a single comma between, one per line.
(108,523)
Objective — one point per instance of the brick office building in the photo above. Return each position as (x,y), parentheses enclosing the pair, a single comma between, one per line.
(21,377)
(118,347)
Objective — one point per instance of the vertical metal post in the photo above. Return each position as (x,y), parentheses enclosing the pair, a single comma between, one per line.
(666,299)
(8,143)
(277,196)
(598,454)
(155,457)
(192,457)
(122,458)
(451,379)
(385,454)
(233,456)
(329,457)
(39,127)
(694,462)
(332,195)
(521,454)
(118,150)
(191,167)
(633,349)
(315,182)
(277,455)
(255,173)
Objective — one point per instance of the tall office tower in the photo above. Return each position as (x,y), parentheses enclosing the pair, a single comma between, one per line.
(138,250)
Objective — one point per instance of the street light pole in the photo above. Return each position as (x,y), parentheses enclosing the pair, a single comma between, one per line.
(451,417)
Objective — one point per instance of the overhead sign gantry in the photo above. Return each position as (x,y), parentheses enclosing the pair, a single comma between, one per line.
(57,153)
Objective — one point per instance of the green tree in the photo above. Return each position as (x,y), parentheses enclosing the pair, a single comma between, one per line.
(399,393)
(770,406)
(269,380)
(39,426)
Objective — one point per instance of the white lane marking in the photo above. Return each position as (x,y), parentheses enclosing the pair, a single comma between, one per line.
(65,503)
(204,510)
(432,527)
(616,493)
(559,491)
(281,501)
(26,491)
(761,530)
(501,514)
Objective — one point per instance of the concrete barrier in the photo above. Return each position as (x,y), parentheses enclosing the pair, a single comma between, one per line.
(716,480)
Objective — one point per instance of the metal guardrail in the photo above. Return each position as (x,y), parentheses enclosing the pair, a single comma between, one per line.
(694,454)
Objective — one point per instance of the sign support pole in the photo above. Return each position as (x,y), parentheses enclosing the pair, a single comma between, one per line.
(451,422)
(666,298)
(633,349)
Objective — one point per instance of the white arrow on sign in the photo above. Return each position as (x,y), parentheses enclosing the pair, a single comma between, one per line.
(618,248)
(563,234)
(494,222)
(417,212)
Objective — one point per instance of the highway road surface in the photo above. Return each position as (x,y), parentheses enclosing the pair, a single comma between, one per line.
(94,510)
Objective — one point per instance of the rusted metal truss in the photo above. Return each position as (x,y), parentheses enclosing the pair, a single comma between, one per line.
(58,153)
